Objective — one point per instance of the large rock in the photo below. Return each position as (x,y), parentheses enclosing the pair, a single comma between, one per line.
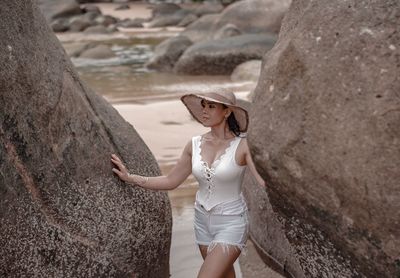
(188,19)
(247,71)
(208,8)
(164,9)
(167,53)
(100,51)
(223,55)
(325,135)
(63,213)
(168,19)
(249,16)
(53,9)
(254,16)
(199,30)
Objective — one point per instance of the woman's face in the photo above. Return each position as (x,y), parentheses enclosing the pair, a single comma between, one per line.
(213,113)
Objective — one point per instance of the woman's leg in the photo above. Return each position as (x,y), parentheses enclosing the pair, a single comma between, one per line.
(219,263)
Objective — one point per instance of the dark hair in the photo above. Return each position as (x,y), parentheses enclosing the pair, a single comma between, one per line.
(232,123)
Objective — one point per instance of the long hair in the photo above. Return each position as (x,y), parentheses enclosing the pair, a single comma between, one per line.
(233,124)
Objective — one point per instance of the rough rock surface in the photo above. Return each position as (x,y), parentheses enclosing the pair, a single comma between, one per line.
(247,71)
(63,213)
(188,19)
(249,16)
(100,51)
(229,30)
(164,9)
(168,52)
(53,9)
(325,135)
(254,16)
(208,8)
(199,30)
(223,55)
(168,19)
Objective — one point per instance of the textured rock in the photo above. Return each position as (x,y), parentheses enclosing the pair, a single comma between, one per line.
(99,29)
(60,25)
(77,24)
(168,52)
(53,9)
(254,16)
(168,19)
(63,213)
(132,23)
(247,71)
(249,16)
(325,135)
(208,8)
(164,9)
(199,30)
(188,19)
(223,55)
(229,30)
(106,20)
(267,231)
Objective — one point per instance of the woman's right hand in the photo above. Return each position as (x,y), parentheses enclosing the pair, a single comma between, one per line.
(121,170)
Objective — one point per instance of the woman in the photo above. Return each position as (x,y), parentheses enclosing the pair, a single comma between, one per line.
(217,159)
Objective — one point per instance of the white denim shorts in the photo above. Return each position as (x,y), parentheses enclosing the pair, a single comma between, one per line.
(212,229)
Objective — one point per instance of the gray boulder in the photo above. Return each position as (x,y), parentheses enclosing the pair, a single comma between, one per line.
(199,30)
(100,51)
(208,8)
(325,136)
(164,9)
(53,9)
(247,71)
(75,49)
(90,16)
(223,55)
(229,30)
(168,19)
(249,16)
(91,9)
(60,25)
(63,213)
(106,20)
(188,19)
(132,23)
(168,52)
(98,29)
(77,24)
(254,16)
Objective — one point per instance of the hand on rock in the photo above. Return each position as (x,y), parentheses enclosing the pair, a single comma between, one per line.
(121,170)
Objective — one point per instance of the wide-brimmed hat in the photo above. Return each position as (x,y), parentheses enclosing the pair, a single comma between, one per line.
(193,104)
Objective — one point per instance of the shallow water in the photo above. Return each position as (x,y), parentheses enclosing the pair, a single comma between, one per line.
(124,78)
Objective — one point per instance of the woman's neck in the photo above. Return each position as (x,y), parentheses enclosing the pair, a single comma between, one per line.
(221,132)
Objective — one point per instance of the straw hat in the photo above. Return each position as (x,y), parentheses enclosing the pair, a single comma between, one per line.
(193,104)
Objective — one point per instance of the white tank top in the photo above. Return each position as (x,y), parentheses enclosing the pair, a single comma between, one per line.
(220,184)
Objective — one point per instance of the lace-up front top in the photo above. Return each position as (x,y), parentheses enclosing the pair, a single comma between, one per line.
(219,183)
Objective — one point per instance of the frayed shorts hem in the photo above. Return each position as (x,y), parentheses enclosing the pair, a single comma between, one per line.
(225,246)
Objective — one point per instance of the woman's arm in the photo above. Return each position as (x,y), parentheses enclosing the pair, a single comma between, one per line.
(175,177)
(252,167)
